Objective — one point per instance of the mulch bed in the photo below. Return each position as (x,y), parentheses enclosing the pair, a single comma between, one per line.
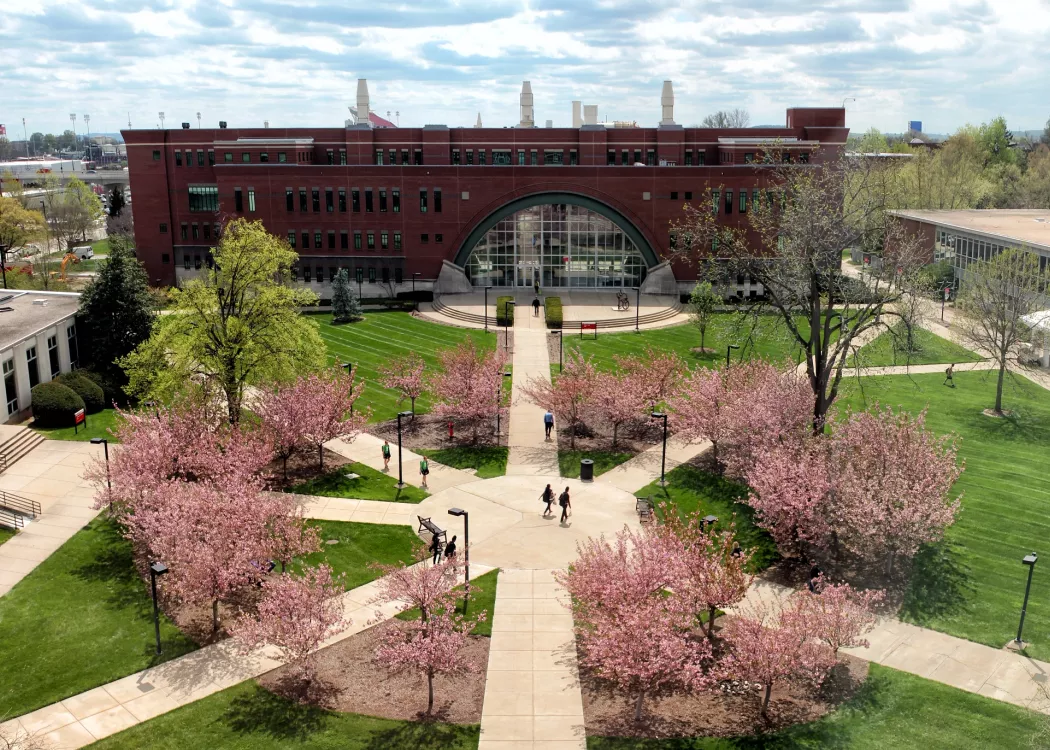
(732,710)
(348,681)
(430,432)
(302,467)
(596,435)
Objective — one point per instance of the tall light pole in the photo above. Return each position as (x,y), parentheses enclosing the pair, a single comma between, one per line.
(73,119)
(730,348)
(156,570)
(400,475)
(637,305)
(487,307)
(1030,561)
(25,132)
(198,121)
(663,460)
(161,116)
(459,512)
(105,445)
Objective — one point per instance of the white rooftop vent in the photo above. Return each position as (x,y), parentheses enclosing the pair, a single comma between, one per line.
(40,302)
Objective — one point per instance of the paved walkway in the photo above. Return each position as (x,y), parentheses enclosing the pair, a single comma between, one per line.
(367,449)
(530,452)
(532,694)
(646,467)
(52,474)
(108,709)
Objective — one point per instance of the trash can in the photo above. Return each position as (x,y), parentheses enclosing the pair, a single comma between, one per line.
(586,470)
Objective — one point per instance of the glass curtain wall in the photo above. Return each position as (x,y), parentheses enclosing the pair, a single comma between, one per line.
(558,245)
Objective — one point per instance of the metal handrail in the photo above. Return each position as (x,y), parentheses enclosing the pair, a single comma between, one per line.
(18,504)
(11,519)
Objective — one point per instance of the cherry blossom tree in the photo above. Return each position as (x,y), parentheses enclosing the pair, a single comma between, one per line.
(469,387)
(697,410)
(837,615)
(636,632)
(291,536)
(297,613)
(658,373)
(433,644)
(568,394)
(619,398)
(406,375)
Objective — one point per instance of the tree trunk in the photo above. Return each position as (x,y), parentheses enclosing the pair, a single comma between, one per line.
(889,563)
(999,387)
(430,691)
(285,460)
(638,705)
(572,436)
(214,616)
(616,426)
(765,699)
(703,332)
(711,622)
(320,457)
(413,407)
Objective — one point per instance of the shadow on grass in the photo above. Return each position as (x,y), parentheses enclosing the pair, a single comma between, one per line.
(113,566)
(939,584)
(422,734)
(263,712)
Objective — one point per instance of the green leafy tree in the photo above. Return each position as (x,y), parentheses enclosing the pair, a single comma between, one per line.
(346,308)
(1035,185)
(996,142)
(1046,133)
(18,225)
(13,188)
(82,209)
(702,303)
(116,201)
(116,310)
(236,326)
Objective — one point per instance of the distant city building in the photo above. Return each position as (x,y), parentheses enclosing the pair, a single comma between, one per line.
(915,126)
(456,208)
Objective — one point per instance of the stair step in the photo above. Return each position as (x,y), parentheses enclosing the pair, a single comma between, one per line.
(20,445)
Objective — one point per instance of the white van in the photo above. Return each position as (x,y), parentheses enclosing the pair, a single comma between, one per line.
(84,252)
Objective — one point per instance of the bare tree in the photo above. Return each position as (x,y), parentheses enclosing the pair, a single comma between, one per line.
(792,245)
(14,737)
(995,295)
(731,118)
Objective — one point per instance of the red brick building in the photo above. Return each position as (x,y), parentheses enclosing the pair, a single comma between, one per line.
(587,206)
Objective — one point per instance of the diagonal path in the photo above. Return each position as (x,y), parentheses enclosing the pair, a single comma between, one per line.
(530,452)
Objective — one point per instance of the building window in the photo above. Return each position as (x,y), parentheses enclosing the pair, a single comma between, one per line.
(392,156)
(355,200)
(382,200)
(196,258)
(163,228)
(342,156)
(246,157)
(714,201)
(395,197)
(419,157)
(317,239)
(637,156)
(610,157)
(455,156)
(211,158)
(470,157)
(689,157)
(306,240)
(573,159)
(481,157)
(357,240)
(404,157)
(71,340)
(331,156)
(291,238)
(329,201)
(251,200)
(307,273)
(359,274)
(196,231)
(803,158)
(439,237)
(398,275)
(422,200)
(331,239)
(553,157)
(344,240)
(688,195)
(10,387)
(437,200)
(178,158)
(342,200)
(500,157)
(264,157)
(674,195)
(743,201)
(701,158)
(625,157)
(379,157)
(371,274)
(749,157)
(204,198)
(534,158)
(729,202)
(189,158)
(200,158)
(207,232)
(315,196)
(384,240)
(183,231)
(521,157)
(424,238)
(289,199)
(52,355)
(282,157)
(165,258)
(238,200)
(34,372)
(227,156)
(156,155)
(371,240)
(386,275)
(650,158)
(369,205)
(302,200)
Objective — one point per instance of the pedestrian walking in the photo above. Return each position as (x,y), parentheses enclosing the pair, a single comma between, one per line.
(386,456)
(424,469)
(548,424)
(547,497)
(435,548)
(814,577)
(536,307)
(450,549)
(948,375)
(564,502)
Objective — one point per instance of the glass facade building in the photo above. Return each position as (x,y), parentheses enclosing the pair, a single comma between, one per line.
(558,245)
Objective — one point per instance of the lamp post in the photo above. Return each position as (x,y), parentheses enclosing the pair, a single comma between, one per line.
(156,569)
(663,459)
(730,348)
(637,305)
(499,402)
(487,307)
(400,476)
(1030,561)
(198,121)
(466,551)
(105,446)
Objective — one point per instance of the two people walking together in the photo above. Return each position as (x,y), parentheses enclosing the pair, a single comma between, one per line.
(563,500)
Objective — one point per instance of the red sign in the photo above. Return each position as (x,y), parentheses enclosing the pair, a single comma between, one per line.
(588,326)
(78,417)
(3,130)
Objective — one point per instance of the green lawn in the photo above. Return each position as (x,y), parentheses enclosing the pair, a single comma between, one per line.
(972,584)
(892,711)
(483,589)
(370,484)
(489,460)
(6,533)
(247,717)
(98,425)
(82,618)
(101,247)
(360,544)
(930,349)
(769,340)
(691,489)
(569,461)
(385,336)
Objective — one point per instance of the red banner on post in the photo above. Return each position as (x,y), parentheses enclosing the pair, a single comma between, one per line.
(78,418)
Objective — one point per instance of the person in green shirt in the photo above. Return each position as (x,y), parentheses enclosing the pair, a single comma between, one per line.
(424,469)
(386,456)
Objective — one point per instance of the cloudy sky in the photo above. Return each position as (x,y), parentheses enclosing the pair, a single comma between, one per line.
(295,62)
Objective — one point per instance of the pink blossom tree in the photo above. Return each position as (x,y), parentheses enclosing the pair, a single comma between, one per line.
(406,375)
(469,386)
(297,613)
(619,398)
(433,644)
(292,536)
(697,410)
(634,628)
(837,615)
(573,389)
(658,374)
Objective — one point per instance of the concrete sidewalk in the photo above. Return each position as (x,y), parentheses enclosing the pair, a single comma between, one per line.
(368,450)
(530,452)
(645,468)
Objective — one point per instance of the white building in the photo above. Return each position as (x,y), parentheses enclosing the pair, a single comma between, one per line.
(38,341)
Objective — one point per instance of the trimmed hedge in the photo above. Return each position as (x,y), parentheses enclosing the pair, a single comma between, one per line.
(502,303)
(55,404)
(112,389)
(552,312)
(90,391)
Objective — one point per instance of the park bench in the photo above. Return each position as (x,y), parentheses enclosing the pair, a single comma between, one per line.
(426,523)
(644,506)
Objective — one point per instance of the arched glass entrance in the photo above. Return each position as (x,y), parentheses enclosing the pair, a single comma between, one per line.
(559,245)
